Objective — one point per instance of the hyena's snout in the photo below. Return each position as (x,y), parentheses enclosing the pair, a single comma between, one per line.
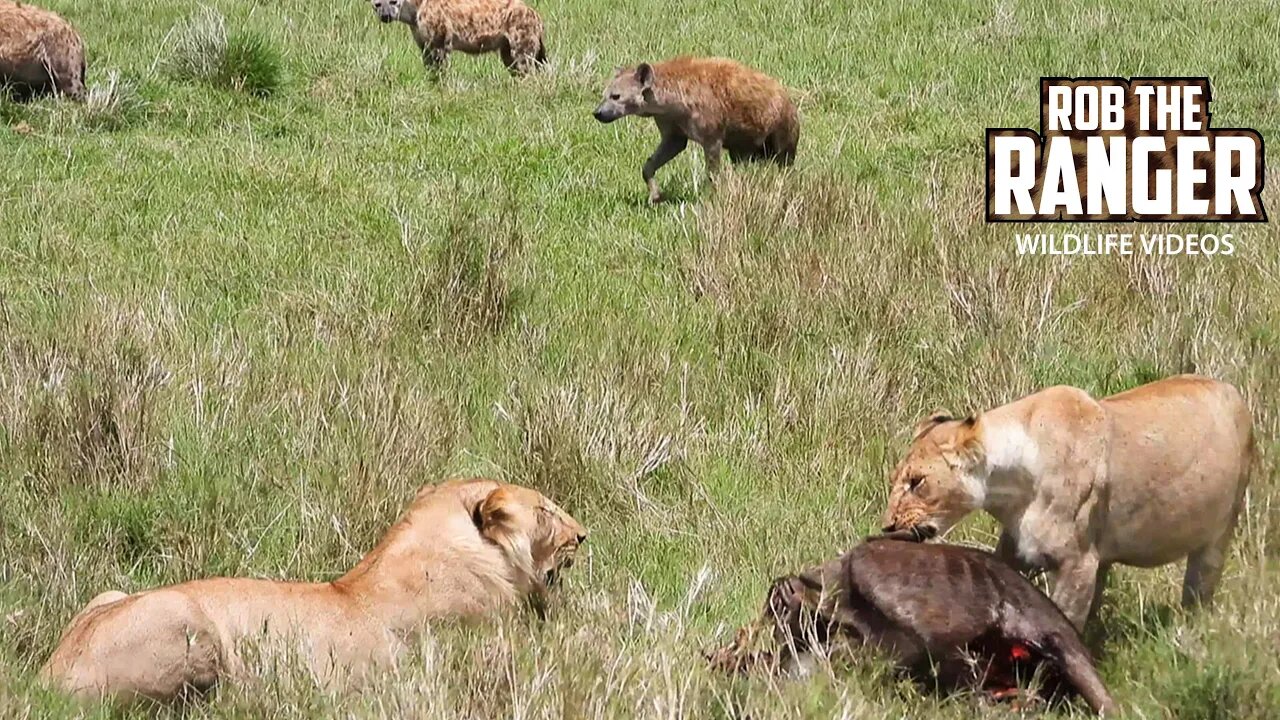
(606,113)
(386,10)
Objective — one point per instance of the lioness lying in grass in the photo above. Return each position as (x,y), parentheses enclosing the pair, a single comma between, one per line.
(463,549)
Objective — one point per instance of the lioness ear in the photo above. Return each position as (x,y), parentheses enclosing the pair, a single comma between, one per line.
(924,426)
(644,75)
(496,520)
(491,516)
(966,450)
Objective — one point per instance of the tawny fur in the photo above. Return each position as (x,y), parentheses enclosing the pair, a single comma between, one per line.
(439,27)
(463,549)
(39,52)
(719,104)
(1143,478)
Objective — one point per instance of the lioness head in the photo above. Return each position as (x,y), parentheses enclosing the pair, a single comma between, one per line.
(935,485)
(629,92)
(538,537)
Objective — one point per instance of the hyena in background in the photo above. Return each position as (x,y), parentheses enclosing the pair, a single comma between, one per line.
(718,103)
(39,53)
(473,27)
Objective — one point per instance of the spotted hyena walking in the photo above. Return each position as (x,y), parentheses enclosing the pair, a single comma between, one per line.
(718,103)
(471,26)
(39,53)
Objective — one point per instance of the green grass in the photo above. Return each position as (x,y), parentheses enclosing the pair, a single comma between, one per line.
(203,49)
(241,321)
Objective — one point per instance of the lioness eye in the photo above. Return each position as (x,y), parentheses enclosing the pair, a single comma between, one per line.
(614,96)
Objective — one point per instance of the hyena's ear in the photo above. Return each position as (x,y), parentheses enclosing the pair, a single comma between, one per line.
(644,75)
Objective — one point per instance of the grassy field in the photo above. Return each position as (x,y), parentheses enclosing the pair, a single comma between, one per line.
(241,322)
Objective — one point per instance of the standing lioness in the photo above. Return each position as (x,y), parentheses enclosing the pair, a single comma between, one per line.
(1143,478)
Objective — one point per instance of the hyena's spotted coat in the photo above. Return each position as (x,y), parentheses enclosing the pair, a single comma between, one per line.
(720,104)
(39,52)
(509,27)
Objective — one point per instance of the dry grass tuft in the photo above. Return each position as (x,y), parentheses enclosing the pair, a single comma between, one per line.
(79,410)
(243,60)
(462,277)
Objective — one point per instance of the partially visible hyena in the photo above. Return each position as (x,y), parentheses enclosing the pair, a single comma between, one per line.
(39,52)
(473,27)
(718,103)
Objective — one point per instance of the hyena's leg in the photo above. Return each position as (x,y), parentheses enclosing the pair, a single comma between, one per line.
(434,44)
(673,143)
(522,47)
(519,55)
(782,147)
(712,150)
(508,57)
(436,58)
(747,152)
